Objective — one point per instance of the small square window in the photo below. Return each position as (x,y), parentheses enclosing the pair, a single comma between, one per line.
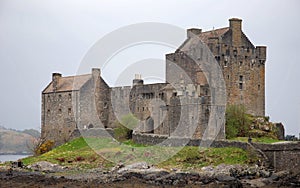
(241,86)
(241,78)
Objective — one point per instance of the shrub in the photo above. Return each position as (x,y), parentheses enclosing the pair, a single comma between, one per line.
(43,147)
(123,130)
(237,121)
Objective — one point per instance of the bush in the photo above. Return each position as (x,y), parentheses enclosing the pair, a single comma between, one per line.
(237,121)
(123,130)
(43,147)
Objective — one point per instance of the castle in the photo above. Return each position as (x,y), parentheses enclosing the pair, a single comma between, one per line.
(180,107)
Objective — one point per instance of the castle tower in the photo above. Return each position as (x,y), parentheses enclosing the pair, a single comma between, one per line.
(242,64)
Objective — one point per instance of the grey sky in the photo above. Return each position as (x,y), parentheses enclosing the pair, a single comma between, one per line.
(41,37)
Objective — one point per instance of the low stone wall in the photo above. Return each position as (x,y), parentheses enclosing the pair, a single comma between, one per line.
(282,156)
(164,140)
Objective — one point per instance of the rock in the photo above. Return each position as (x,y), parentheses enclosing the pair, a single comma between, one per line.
(45,166)
(134,166)
(155,175)
(207,169)
(264,173)
(281,174)
(224,178)
(117,167)
(259,182)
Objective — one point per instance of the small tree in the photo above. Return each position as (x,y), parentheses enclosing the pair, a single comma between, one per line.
(237,121)
(40,146)
(123,130)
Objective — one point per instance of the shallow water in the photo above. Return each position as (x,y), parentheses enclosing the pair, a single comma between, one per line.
(4,158)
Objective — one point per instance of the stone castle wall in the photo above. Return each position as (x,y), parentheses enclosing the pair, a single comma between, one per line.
(282,156)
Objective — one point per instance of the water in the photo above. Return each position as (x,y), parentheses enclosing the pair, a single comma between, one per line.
(4,158)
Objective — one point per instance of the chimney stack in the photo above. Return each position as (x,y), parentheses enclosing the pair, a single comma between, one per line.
(138,80)
(96,72)
(55,80)
(235,25)
(193,32)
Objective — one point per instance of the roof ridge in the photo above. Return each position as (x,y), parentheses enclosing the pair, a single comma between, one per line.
(214,30)
(76,75)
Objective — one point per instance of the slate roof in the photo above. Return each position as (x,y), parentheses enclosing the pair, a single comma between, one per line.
(204,36)
(69,83)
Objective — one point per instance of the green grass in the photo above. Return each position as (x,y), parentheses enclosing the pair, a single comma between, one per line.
(98,152)
(76,153)
(195,158)
(265,140)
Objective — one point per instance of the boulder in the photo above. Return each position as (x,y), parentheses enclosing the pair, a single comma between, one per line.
(45,166)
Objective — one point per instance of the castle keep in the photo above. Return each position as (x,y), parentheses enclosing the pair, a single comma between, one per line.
(180,107)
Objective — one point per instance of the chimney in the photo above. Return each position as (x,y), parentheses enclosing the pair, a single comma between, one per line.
(96,72)
(55,80)
(138,80)
(235,25)
(193,32)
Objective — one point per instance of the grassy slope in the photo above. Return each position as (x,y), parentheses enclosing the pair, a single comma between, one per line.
(77,153)
(265,140)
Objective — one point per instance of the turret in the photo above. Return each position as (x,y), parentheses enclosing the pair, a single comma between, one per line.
(261,52)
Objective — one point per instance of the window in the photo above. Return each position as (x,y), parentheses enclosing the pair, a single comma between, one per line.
(225,63)
(69,111)
(228,76)
(227,52)
(70,96)
(48,112)
(241,86)
(59,97)
(241,63)
(258,87)
(48,98)
(241,78)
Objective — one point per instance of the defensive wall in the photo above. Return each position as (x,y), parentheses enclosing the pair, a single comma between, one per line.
(280,156)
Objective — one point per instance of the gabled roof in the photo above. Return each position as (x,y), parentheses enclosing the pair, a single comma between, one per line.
(213,33)
(69,83)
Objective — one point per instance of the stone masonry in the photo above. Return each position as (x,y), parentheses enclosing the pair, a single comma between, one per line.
(181,107)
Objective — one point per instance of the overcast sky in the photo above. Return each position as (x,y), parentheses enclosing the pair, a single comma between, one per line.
(40,37)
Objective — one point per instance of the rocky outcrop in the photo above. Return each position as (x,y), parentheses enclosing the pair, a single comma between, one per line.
(45,166)
(262,127)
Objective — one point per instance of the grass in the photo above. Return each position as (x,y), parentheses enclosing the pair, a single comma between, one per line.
(103,152)
(265,140)
(76,153)
(194,158)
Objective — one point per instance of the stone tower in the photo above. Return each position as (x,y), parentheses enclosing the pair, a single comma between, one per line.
(242,63)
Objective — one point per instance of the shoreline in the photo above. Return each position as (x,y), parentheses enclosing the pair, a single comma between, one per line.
(141,175)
